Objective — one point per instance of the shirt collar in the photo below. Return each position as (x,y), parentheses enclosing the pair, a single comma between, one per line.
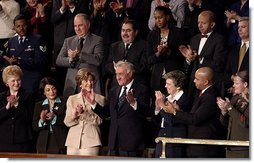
(178,95)
(46,101)
(247,43)
(128,86)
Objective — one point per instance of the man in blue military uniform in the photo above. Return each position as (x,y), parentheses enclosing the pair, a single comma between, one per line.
(27,51)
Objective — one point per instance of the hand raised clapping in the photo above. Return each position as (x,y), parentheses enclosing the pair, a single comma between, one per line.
(12,101)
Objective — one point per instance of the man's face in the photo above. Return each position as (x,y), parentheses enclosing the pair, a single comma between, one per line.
(127,33)
(199,81)
(204,24)
(123,77)
(243,29)
(20,27)
(81,26)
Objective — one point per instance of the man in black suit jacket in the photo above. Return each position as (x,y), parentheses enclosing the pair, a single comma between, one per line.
(233,65)
(203,119)
(127,116)
(205,49)
(132,49)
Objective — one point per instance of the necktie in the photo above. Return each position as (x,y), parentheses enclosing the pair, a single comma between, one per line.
(21,40)
(80,43)
(203,36)
(129,3)
(127,46)
(241,55)
(122,98)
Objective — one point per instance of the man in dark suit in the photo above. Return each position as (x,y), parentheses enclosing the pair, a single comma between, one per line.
(127,113)
(132,49)
(205,49)
(84,50)
(237,60)
(28,51)
(203,119)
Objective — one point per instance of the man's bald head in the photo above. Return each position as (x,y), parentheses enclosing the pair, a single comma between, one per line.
(206,73)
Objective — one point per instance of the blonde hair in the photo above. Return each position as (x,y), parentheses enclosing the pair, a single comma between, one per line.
(83,74)
(12,70)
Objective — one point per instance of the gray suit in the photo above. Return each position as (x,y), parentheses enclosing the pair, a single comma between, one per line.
(90,57)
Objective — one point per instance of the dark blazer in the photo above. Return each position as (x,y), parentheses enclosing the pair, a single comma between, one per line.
(203,123)
(171,60)
(232,64)
(127,125)
(237,121)
(137,55)
(174,129)
(59,133)
(16,123)
(32,59)
(214,53)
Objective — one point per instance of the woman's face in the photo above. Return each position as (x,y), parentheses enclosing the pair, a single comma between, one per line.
(161,19)
(32,3)
(50,92)
(171,88)
(239,86)
(13,82)
(88,84)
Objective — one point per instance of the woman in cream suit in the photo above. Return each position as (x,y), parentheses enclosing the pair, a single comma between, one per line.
(84,133)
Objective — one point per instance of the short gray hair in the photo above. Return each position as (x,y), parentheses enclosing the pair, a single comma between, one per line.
(126,65)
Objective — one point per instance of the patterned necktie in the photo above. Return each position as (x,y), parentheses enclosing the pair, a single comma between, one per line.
(127,46)
(122,98)
(241,55)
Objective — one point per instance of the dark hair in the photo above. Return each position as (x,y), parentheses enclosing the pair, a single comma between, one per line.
(49,81)
(19,17)
(132,22)
(178,77)
(168,12)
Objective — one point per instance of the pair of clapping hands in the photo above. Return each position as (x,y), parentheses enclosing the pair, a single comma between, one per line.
(12,101)
(161,102)
(46,115)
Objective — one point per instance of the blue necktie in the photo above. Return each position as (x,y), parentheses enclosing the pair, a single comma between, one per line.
(122,98)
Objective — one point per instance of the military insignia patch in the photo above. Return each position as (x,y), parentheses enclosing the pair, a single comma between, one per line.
(43,48)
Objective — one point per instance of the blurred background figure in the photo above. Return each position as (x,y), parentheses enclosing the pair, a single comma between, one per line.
(9,9)
(233,13)
(48,119)
(235,115)
(16,111)
(84,133)
(38,13)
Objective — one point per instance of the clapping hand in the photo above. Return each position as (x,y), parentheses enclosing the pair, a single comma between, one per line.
(12,101)
(188,52)
(89,96)
(130,97)
(224,105)
(43,115)
(160,99)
